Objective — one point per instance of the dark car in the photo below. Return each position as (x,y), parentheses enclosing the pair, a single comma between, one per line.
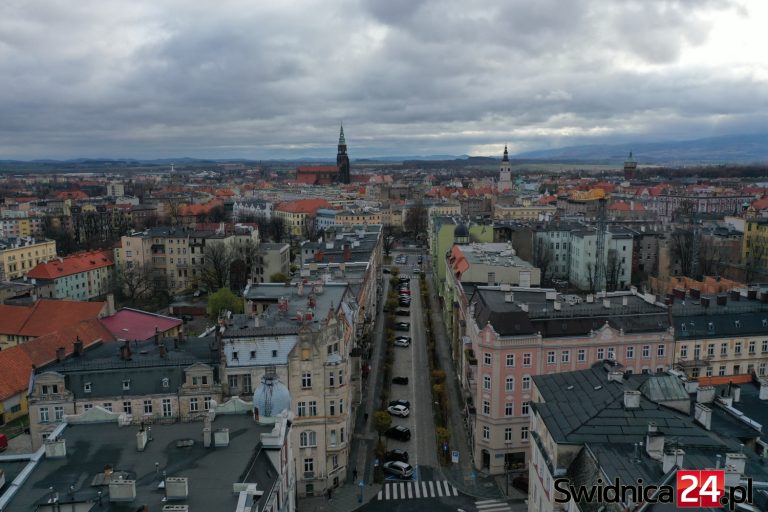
(396,454)
(386,271)
(402,326)
(401,402)
(400,380)
(403,280)
(403,312)
(398,432)
(404,303)
(421,260)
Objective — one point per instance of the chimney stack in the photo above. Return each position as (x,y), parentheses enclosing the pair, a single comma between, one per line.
(157,336)
(60,354)
(672,458)
(703,415)
(705,394)
(78,347)
(162,350)
(631,399)
(654,442)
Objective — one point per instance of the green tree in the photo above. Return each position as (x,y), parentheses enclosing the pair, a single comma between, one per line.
(279,277)
(443,435)
(224,300)
(438,376)
(381,422)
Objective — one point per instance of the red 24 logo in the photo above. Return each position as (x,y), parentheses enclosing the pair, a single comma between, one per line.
(700,488)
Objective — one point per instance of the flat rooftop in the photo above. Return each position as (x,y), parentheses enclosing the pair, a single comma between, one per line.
(210,471)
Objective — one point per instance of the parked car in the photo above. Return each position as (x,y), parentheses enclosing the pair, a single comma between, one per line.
(400,380)
(421,260)
(403,312)
(403,338)
(403,342)
(404,403)
(402,326)
(404,291)
(396,454)
(398,410)
(385,270)
(417,271)
(404,303)
(399,469)
(404,280)
(398,432)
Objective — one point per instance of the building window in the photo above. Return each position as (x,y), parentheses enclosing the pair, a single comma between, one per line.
(660,350)
(526,382)
(600,354)
(709,371)
(510,360)
(761,369)
(751,348)
(166,382)
(341,434)
(630,352)
(58,413)
(486,408)
(301,409)
(721,372)
(331,378)
(509,409)
(508,435)
(527,359)
(341,406)
(510,384)
(695,373)
(551,357)
(207,403)
(683,350)
(737,348)
(486,382)
(582,355)
(87,387)
(107,406)
(335,461)
(232,381)
(524,433)
(341,377)
(313,408)
(193,405)
(309,465)
(612,353)
(565,356)
(308,438)
(486,433)
(332,407)
(127,408)
(723,349)
(126,384)
(333,438)
(525,408)
(247,383)
(147,406)
(167,408)
(87,407)
(765,347)
(487,358)
(711,350)
(306,380)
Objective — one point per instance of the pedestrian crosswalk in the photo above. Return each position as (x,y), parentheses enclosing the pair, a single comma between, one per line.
(492,506)
(418,489)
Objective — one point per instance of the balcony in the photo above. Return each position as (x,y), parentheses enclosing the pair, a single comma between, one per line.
(694,363)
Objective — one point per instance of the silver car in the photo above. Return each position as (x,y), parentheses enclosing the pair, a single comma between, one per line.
(399,410)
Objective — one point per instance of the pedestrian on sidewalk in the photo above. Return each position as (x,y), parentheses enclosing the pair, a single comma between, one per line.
(354,473)
(365,417)
(330,494)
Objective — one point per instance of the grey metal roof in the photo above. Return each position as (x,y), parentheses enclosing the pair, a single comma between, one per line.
(662,388)
(720,324)
(211,472)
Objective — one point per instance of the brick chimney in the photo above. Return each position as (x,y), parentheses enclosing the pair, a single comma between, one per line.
(60,354)
(78,347)
(347,252)
(157,336)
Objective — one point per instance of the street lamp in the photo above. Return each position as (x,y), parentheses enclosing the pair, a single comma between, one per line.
(361,485)
(507,464)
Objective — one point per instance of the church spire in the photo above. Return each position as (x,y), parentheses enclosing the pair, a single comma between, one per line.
(506,154)
(342,142)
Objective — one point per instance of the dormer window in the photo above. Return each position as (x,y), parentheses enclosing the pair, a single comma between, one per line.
(274,353)
(166,382)
(683,328)
(87,387)
(738,324)
(234,356)
(253,354)
(126,384)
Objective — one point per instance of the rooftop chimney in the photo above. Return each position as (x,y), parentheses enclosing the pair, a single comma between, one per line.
(672,458)
(607,303)
(763,390)
(122,490)
(157,336)
(705,394)
(736,393)
(631,399)
(78,347)
(615,376)
(55,448)
(737,461)
(703,416)
(162,350)
(176,488)
(654,442)
(60,354)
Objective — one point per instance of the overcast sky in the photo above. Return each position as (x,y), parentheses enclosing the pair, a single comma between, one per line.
(274,78)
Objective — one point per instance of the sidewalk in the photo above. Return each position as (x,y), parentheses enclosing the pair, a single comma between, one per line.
(463,475)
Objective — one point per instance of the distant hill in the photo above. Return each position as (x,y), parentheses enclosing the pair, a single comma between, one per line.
(727,149)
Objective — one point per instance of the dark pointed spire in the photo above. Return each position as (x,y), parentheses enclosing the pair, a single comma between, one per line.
(506,154)
(341,136)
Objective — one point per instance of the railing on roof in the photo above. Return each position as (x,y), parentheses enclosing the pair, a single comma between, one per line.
(70,366)
(597,309)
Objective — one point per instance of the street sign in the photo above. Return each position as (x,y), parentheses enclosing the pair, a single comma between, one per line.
(361,484)
(455,456)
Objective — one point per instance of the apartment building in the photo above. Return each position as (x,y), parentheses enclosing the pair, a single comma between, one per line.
(20,255)
(81,276)
(303,335)
(511,335)
(617,257)
(296,214)
(597,427)
(20,225)
(145,381)
(523,213)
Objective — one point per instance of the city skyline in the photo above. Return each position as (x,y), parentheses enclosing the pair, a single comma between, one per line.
(406,78)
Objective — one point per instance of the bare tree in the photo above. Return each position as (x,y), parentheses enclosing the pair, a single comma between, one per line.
(416,219)
(711,259)
(310,229)
(612,271)
(244,256)
(216,266)
(542,258)
(388,239)
(753,265)
(681,245)
(591,276)
(135,283)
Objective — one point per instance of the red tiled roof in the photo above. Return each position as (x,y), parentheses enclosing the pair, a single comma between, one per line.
(199,209)
(74,264)
(72,194)
(760,204)
(303,206)
(16,366)
(45,316)
(132,324)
